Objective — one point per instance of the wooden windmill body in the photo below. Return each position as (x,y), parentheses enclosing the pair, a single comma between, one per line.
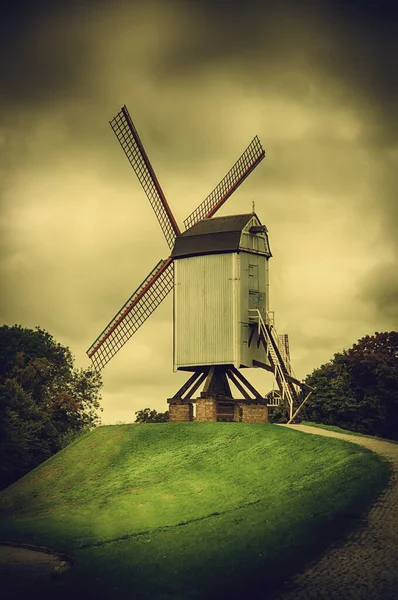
(218,271)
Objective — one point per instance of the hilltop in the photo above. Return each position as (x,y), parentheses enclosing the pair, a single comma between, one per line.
(189,509)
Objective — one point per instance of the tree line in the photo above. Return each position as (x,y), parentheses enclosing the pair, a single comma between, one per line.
(358,388)
(44,401)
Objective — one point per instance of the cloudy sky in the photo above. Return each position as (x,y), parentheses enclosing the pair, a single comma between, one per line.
(316,81)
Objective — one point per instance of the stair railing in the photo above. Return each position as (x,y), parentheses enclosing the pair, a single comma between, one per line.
(278,370)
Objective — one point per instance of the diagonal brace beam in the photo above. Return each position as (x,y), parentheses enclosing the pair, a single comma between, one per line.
(239,386)
(197,375)
(247,383)
(299,408)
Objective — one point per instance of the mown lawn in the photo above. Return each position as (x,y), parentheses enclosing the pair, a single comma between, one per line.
(190,510)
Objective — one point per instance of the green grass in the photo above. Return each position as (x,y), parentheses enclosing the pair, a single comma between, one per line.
(346,431)
(190,510)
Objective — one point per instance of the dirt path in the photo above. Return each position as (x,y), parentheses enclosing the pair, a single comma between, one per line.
(22,569)
(366,566)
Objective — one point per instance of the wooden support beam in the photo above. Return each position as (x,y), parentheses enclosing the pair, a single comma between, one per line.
(299,408)
(249,386)
(187,384)
(257,363)
(225,383)
(238,385)
(196,386)
(216,385)
(208,380)
(251,336)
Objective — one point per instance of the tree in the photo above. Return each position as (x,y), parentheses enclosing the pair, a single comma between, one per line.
(358,388)
(44,401)
(147,415)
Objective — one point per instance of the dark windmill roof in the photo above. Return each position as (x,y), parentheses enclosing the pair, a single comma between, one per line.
(220,234)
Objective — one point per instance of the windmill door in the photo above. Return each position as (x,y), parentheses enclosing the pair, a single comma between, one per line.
(254,293)
(256,286)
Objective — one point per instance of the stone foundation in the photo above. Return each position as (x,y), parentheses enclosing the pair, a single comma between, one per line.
(206,409)
(180,412)
(237,416)
(254,413)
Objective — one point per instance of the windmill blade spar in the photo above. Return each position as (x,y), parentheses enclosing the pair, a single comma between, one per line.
(128,137)
(250,158)
(133,313)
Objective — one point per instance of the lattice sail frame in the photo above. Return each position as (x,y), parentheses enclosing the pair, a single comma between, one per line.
(127,135)
(250,158)
(141,304)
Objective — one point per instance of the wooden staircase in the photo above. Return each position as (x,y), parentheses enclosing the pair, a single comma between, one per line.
(279,365)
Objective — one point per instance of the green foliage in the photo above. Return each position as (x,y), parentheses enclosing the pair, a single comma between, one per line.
(148,415)
(181,510)
(44,401)
(358,388)
(278,414)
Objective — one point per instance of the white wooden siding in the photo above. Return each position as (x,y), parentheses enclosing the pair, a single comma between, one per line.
(252,295)
(212,297)
(205,310)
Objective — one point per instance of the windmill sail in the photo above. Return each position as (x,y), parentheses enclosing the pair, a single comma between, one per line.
(250,158)
(133,313)
(129,140)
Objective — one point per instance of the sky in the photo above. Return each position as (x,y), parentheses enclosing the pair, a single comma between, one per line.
(316,81)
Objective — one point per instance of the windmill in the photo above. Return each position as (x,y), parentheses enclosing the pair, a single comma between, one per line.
(218,269)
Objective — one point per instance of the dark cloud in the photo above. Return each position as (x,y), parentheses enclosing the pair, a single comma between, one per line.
(336,54)
(43,53)
(354,43)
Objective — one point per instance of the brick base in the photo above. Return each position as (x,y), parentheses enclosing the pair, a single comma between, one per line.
(254,413)
(206,409)
(181,412)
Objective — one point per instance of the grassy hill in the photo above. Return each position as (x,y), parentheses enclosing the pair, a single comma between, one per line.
(189,510)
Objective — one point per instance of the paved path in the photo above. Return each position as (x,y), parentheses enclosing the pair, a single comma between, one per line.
(366,566)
